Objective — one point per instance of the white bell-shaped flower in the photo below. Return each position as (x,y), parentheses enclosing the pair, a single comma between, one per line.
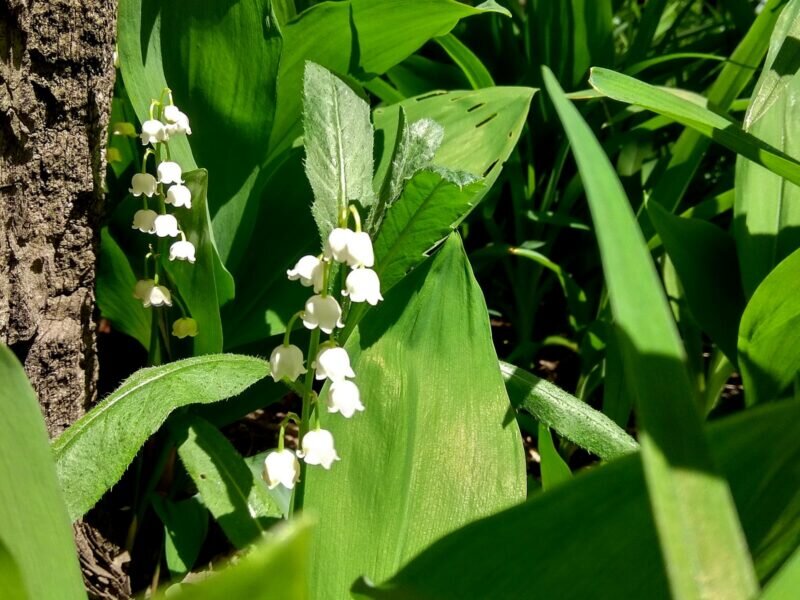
(333,362)
(177,121)
(323,312)
(363,285)
(286,361)
(318,448)
(157,295)
(179,195)
(143,183)
(184,327)
(182,250)
(153,131)
(281,467)
(336,244)
(166,226)
(359,250)
(145,220)
(310,270)
(344,398)
(169,172)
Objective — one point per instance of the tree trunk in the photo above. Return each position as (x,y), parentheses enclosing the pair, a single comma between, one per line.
(56,86)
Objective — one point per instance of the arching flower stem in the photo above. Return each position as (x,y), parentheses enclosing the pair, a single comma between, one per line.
(287,334)
(356,217)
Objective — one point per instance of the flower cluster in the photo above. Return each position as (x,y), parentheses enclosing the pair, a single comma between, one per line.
(164,188)
(344,248)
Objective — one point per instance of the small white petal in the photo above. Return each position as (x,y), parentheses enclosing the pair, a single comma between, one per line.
(286,361)
(336,244)
(310,270)
(169,172)
(166,226)
(363,285)
(323,312)
(153,131)
(344,398)
(143,183)
(318,448)
(144,220)
(281,468)
(359,250)
(334,363)
(179,195)
(182,250)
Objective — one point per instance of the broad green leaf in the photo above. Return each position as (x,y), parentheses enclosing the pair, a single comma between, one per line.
(767,209)
(241,506)
(197,282)
(554,469)
(185,527)
(710,124)
(338,142)
(428,209)
(35,533)
(437,445)
(700,536)
(705,259)
(786,582)
(353,37)
(601,521)
(10,577)
(769,334)
(481,128)
(566,414)
(115,284)
(120,424)
(277,568)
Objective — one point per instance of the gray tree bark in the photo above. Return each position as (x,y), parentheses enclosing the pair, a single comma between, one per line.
(56,86)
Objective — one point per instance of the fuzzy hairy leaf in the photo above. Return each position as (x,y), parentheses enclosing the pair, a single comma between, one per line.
(120,424)
(338,142)
(564,413)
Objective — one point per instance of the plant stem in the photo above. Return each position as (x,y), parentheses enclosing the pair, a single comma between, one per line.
(299,490)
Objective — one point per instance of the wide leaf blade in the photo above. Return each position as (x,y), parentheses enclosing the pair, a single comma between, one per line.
(119,425)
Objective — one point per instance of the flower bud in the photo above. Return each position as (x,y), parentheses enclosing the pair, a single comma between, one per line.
(344,397)
(363,285)
(177,122)
(334,363)
(310,270)
(169,172)
(145,220)
(179,195)
(153,132)
(318,448)
(323,312)
(143,183)
(184,327)
(286,361)
(182,250)
(166,226)
(142,289)
(281,467)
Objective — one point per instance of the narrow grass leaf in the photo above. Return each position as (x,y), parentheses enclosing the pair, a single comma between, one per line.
(700,536)
(121,423)
(564,413)
(476,72)
(720,129)
(35,533)
(786,582)
(554,470)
